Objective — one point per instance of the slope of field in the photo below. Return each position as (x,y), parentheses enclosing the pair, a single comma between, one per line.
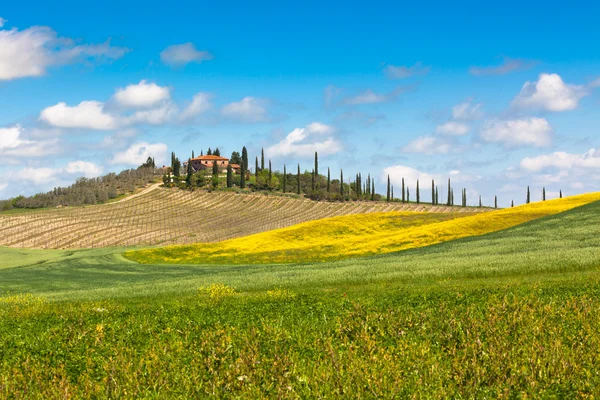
(163,216)
(513,313)
(353,236)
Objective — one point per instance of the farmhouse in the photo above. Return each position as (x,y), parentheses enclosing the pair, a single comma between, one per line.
(206,163)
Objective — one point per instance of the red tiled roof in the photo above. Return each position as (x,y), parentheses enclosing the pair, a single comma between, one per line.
(235,166)
(204,158)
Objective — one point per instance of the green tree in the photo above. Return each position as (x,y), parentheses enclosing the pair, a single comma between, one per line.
(193,154)
(215,169)
(392,193)
(341,182)
(389,193)
(243,176)
(372,190)
(432,192)
(437,198)
(209,152)
(403,190)
(235,158)
(284,179)
(560,194)
(177,167)
(543,194)
(313,181)
(217,152)
(316,164)
(449,203)
(495,201)
(298,181)
(528,196)
(407,195)
(480,204)
(418,193)
(256,168)
(328,181)
(512,203)
(245,158)
(229,175)
(262,159)
(270,173)
(190,173)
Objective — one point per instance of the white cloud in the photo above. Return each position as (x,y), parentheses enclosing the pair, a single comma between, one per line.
(563,161)
(366,97)
(427,145)
(3,186)
(410,175)
(518,132)
(249,109)
(199,105)
(453,128)
(13,144)
(508,65)
(182,54)
(155,116)
(32,51)
(549,93)
(2,22)
(402,71)
(85,168)
(303,142)
(142,95)
(36,175)
(466,111)
(138,153)
(86,115)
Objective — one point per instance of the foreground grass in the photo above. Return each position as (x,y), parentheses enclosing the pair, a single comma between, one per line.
(390,341)
(354,236)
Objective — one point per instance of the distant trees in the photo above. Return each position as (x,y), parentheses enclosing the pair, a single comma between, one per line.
(235,158)
(341,182)
(284,179)
(328,180)
(298,181)
(217,152)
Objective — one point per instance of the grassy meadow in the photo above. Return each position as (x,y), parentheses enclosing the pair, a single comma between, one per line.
(509,314)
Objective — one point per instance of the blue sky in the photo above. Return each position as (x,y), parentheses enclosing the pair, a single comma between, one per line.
(497,97)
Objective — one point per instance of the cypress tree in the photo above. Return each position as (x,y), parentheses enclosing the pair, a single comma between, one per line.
(209,152)
(193,154)
(201,152)
(284,179)
(313,180)
(407,195)
(418,193)
(495,201)
(392,193)
(560,193)
(172,160)
(177,167)
(432,192)
(190,172)
(543,194)
(452,197)
(262,159)
(341,182)
(243,176)
(372,190)
(256,168)
(217,152)
(270,174)
(449,203)
(245,158)
(328,181)
(480,205)
(229,176)
(215,169)
(528,196)
(512,203)
(403,199)
(298,181)
(437,198)
(316,164)
(388,189)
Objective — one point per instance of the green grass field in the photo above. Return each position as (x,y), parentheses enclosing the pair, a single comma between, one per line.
(512,314)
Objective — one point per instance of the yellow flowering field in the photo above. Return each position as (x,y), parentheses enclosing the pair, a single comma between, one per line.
(355,235)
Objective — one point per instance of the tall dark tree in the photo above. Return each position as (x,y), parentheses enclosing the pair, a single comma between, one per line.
(432,192)
(437,199)
(480,204)
(418,193)
(316,164)
(341,182)
(209,152)
(270,173)
(392,193)
(217,152)
(403,190)
(201,153)
(215,168)
(495,201)
(235,158)
(328,180)
(229,175)
(543,194)
(284,179)
(512,203)
(172,161)
(452,197)
(245,158)
(190,173)
(313,181)
(243,176)
(449,193)
(298,180)
(177,167)
(389,193)
(256,168)
(560,194)
(262,159)
(407,195)
(528,196)
(372,190)
(193,154)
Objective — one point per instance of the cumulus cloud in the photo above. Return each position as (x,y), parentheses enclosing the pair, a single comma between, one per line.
(402,71)
(453,128)
(508,65)
(563,161)
(535,132)
(427,145)
(370,97)
(142,95)
(303,142)
(249,109)
(467,111)
(85,115)
(138,153)
(199,105)
(156,116)
(13,144)
(179,55)
(84,168)
(32,51)
(549,93)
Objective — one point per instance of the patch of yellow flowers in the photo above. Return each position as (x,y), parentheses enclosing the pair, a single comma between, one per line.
(217,291)
(356,235)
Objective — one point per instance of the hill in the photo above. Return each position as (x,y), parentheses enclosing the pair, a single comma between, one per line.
(170,216)
(354,236)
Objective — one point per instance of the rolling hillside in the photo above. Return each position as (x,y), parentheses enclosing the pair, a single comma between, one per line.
(354,236)
(160,217)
